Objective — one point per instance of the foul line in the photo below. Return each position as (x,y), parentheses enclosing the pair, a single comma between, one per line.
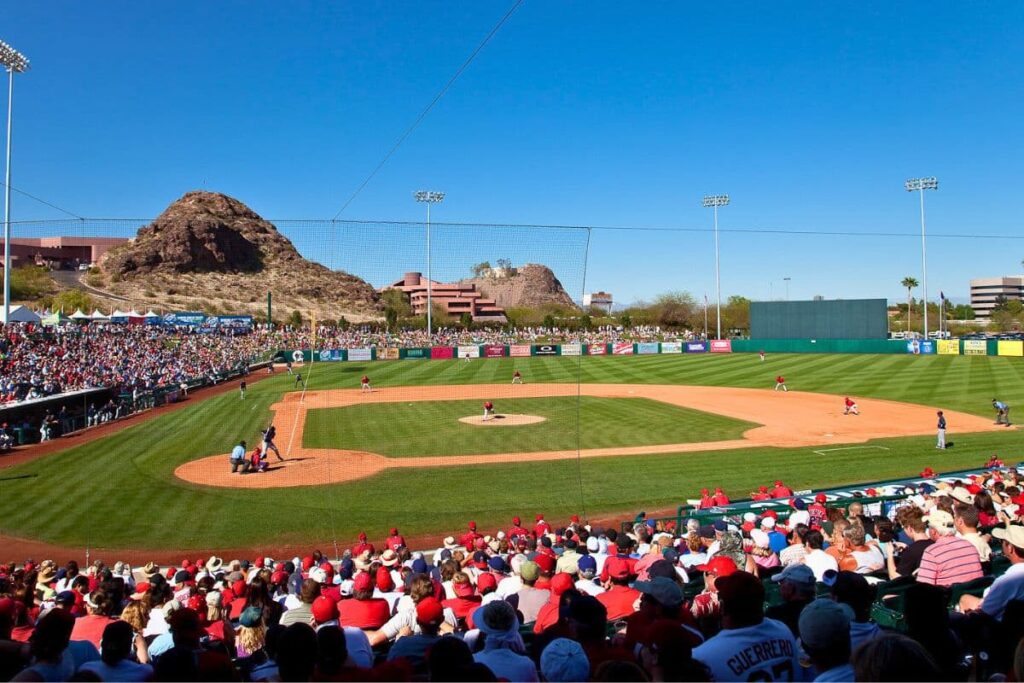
(848,448)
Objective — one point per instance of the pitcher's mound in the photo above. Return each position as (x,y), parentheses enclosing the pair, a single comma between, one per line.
(501,420)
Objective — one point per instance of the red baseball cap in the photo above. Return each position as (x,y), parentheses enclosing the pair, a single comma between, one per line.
(539,516)
(704,492)
(259,563)
(394,531)
(362,582)
(618,567)
(762,489)
(546,563)
(561,583)
(820,498)
(324,609)
(575,519)
(362,535)
(472,526)
(307,562)
(778,482)
(516,521)
(719,566)
(278,577)
(429,611)
(385,584)
(464,590)
(486,581)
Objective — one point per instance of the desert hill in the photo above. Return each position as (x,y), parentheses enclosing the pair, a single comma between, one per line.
(211,252)
(529,286)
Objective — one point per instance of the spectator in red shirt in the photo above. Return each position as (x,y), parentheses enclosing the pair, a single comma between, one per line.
(363,610)
(359,548)
(618,597)
(541,527)
(468,539)
(466,600)
(90,627)
(548,614)
(706,501)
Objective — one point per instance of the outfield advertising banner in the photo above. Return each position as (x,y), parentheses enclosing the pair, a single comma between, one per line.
(360,354)
(622,348)
(696,347)
(949,347)
(329,355)
(442,352)
(671,347)
(545,350)
(519,350)
(388,354)
(1010,348)
(919,346)
(469,352)
(300,356)
(415,353)
(975,347)
(494,351)
(721,346)
(572,349)
(597,349)
(647,348)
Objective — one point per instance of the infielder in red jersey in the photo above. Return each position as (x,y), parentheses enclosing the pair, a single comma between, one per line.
(850,407)
(364,383)
(780,383)
(488,409)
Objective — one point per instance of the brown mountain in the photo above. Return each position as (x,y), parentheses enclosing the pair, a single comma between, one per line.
(211,252)
(530,286)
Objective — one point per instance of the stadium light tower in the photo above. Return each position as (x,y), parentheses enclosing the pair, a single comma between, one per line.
(429,197)
(919,185)
(714,201)
(14,62)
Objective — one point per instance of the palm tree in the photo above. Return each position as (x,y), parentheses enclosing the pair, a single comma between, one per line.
(909,282)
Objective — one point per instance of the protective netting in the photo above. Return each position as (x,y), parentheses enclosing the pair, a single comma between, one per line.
(152,476)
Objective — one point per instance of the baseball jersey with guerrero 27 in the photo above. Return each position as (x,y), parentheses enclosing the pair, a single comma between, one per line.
(763,652)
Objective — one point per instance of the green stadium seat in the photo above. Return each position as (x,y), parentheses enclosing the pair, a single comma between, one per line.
(891,594)
(976,588)
(888,618)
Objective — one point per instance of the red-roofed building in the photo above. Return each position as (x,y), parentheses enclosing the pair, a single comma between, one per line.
(455,299)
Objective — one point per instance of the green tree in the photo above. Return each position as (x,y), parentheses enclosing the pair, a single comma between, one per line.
(480,269)
(586,322)
(626,320)
(30,282)
(396,300)
(295,319)
(69,300)
(549,321)
(736,313)
(674,309)
(343,323)
(909,282)
(391,318)
(466,320)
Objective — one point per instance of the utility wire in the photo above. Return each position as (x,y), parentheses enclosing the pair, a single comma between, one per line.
(41,201)
(423,114)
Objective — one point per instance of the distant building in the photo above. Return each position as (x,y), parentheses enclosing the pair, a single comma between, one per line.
(986,292)
(60,252)
(455,299)
(602,300)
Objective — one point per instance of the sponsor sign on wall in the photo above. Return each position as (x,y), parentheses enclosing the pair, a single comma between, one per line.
(949,347)
(696,347)
(572,349)
(545,350)
(388,354)
(494,351)
(622,348)
(597,349)
(441,352)
(328,355)
(519,350)
(647,348)
(360,354)
(1010,348)
(671,347)
(416,353)
(919,346)
(721,346)
(469,352)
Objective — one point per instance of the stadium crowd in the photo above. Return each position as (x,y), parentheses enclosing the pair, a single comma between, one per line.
(828,589)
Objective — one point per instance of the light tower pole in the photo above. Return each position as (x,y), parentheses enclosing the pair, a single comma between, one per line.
(919,185)
(14,62)
(714,201)
(429,197)
(786,280)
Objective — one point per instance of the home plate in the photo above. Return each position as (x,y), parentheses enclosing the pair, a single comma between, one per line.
(502,420)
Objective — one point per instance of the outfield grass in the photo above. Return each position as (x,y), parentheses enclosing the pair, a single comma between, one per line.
(121,492)
(433,428)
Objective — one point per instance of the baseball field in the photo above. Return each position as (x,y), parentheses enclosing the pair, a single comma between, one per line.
(612,436)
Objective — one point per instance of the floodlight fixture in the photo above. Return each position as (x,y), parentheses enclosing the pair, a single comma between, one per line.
(429,196)
(11,59)
(916,184)
(711,200)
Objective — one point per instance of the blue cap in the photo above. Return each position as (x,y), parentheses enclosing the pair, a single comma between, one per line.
(419,566)
(799,504)
(587,563)
(720,525)
(497,564)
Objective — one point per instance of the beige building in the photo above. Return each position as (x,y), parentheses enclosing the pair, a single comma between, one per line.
(986,292)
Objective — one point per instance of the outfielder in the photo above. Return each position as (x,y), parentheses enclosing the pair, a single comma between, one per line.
(761,354)
(517,378)
(1002,412)
(780,383)
(364,384)
(488,409)
(851,407)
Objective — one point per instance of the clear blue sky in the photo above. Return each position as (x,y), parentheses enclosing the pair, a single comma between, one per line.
(809,115)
